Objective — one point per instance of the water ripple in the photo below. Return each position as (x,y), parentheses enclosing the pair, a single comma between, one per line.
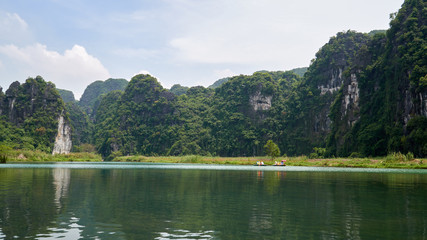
(184,234)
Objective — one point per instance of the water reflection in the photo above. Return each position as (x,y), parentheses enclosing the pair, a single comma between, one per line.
(185,234)
(61,181)
(260,175)
(260,221)
(69,230)
(165,203)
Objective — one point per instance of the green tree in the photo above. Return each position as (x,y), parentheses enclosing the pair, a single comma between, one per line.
(271,149)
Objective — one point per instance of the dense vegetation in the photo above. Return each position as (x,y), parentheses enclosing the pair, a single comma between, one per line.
(29,115)
(391,71)
(96,89)
(365,94)
(66,95)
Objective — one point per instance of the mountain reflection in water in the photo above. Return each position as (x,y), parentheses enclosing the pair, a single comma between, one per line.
(152,201)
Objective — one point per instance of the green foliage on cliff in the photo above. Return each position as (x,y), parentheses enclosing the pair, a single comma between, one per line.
(300,71)
(96,89)
(363,95)
(178,90)
(235,119)
(66,95)
(244,115)
(137,121)
(82,126)
(29,115)
(219,82)
(390,72)
(192,112)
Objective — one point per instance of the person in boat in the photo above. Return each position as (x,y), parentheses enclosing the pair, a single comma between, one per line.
(282,163)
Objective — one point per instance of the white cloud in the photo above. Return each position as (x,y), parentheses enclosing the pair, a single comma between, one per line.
(12,21)
(13,28)
(258,33)
(72,70)
(268,34)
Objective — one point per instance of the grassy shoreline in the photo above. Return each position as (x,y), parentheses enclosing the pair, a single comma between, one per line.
(39,156)
(384,162)
(390,161)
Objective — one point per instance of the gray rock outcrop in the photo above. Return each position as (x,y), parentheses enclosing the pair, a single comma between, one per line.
(63,138)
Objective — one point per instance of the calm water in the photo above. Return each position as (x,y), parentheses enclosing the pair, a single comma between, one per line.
(167,201)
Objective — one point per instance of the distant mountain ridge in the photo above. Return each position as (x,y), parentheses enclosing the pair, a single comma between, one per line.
(66,95)
(97,88)
(299,71)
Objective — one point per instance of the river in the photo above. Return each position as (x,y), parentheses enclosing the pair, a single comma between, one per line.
(194,201)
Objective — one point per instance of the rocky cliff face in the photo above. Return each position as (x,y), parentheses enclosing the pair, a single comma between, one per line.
(334,83)
(413,104)
(330,76)
(2,96)
(382,105)
(350,100)
(34,107)
(423,103)
(63,142)
(260,102)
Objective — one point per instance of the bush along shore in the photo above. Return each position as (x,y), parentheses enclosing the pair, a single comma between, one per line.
(394,160)
(9,156)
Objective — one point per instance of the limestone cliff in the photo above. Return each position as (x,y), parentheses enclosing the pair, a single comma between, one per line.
(260,102)
(330,76)
(63,142)
(33,109)
(382,105)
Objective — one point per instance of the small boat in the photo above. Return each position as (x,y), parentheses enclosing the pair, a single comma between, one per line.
(260,163)
(280,164)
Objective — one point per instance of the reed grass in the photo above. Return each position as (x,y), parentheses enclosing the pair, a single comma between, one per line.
(384,162)
(39,156)
(394,160)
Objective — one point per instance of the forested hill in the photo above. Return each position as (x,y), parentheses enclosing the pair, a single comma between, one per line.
(364,94)
(382,106)
(32,116)
(96,89)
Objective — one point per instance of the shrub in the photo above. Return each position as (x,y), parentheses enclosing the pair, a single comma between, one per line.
(271,149)
(318,153)
(191,159)
(400,157)
(355,155)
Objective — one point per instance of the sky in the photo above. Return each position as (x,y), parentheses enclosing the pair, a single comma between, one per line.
(73,43)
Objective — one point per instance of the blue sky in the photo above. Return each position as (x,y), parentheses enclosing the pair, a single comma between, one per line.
(191,42)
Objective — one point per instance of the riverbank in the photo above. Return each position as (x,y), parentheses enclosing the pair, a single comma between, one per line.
(39,156)
(390,161)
